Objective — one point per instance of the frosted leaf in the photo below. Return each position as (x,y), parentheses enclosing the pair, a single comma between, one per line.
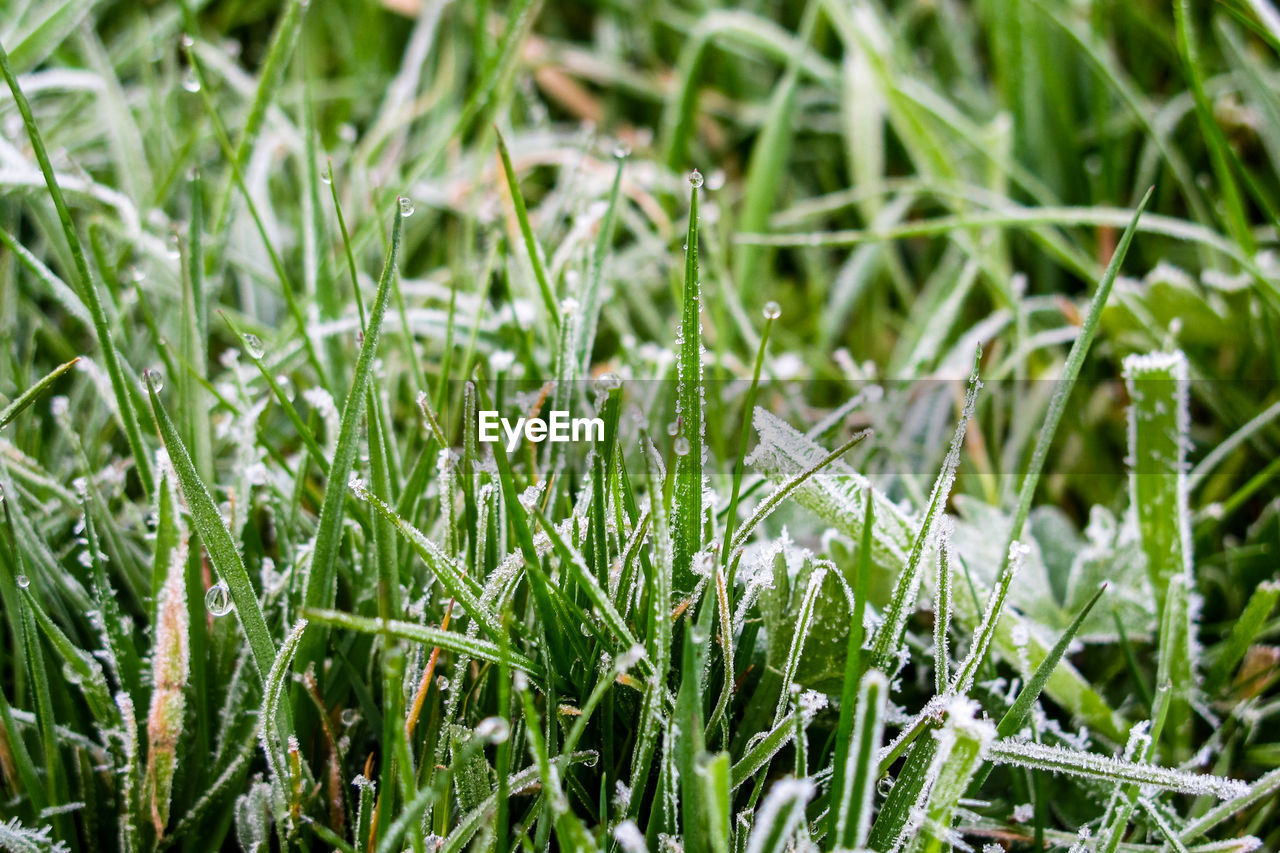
(781,813)
(1113,770)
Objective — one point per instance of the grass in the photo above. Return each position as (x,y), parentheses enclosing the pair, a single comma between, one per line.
(262,587)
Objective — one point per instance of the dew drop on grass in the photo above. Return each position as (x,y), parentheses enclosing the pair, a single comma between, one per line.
(406,206)
(188,41)
(681,446)
(191,82)
(673,428)
(607,382)
(622,151)
(695,179)
(493,729)
(218,599)
(253,346)
(154,378)
(350,716)
(24,581)
(772,310)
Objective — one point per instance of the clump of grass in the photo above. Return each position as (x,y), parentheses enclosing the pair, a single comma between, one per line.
(264,586)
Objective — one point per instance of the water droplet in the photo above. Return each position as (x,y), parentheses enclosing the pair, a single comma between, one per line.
(24,581)
(695,179)
(493,729)
(673,428)
(154,378)
(326,175)
(608,382)
(190,81)
(406,206)
(349,716)
(69,674)
(188,41)
(218,599)
(253,346)
(772,310)
(1,494)
(681,446)
(622,150)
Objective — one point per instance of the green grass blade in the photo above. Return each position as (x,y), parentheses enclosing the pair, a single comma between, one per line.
(853,788)
(222,551)
(686,513)
(884,648)
(780,815)
(322,580)
(35,392)
(88,286)
(526,231)
(1040,452)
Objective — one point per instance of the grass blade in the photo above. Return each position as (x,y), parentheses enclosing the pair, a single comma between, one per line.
(88,286)
(222,551)
(35,392)
(321,584)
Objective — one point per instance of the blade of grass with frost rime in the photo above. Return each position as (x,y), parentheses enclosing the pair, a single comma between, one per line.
(780,815)
(35,392)
(1115,771)
(853,787)
(884,648)
(1014,719)
(276,60)
(1159,424)
(658,637)
(526,231)
(686,512)
(593,282)
(1044,440)
(217,541)
(428,636)
(837,494)
(89,292)
(968,738)
(851,690)
(321,583)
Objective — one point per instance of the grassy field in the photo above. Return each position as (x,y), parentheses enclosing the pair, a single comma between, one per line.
(936,349)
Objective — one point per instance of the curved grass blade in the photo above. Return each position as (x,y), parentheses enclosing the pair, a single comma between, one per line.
(884,648)
(769,504)
(854,787)
(450,640)
(223,554)
(526,231)
(322,579)
(88,286)
(591,285)
(35,392)
(780,816)
(1016,716)
(1114,771)
(1053,416)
